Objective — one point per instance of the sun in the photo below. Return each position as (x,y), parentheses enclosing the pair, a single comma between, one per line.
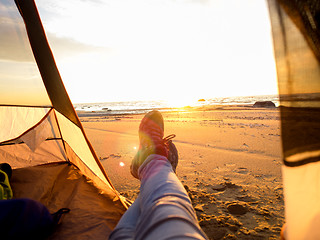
(181,101)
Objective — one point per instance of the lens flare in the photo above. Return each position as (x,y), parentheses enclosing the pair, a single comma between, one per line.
(121,164)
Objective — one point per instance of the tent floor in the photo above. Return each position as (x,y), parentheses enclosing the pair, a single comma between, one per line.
(93,214)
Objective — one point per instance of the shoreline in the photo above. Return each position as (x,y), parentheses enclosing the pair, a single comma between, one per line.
(104,113)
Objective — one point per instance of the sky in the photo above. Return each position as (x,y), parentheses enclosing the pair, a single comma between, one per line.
(122,50)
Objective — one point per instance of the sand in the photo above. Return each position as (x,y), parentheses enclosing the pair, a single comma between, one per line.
(229,163)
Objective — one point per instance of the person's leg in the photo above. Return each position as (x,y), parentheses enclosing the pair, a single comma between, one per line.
(166,209)
(126,227)
(162,210)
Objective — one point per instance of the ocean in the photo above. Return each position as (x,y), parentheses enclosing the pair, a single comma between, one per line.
(136,107)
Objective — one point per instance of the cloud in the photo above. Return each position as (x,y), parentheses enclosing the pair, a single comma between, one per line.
(67,47)
(15,46)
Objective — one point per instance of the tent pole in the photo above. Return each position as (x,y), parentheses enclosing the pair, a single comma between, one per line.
(49,71)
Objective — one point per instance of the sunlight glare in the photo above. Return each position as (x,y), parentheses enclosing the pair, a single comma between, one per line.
(201,60)
(181,101)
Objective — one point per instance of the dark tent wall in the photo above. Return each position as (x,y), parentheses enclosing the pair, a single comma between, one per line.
(296,34)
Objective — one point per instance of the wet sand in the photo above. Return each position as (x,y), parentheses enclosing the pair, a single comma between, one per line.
(229,163)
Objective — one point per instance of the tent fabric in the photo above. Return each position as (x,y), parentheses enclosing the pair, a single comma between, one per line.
(296,35)
(94,213)
(43,139)
(79,145)
(20,156)
(45,61)
(52,80)
(21,82)
(296,27)
(30,136)
(53,135)
(302,208)
(17,120)
(56,90)
(305,15)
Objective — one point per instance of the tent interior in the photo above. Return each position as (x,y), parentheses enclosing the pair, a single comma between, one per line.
(93,213)
(42,137)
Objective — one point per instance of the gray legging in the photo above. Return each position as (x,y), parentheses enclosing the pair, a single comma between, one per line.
(162,210)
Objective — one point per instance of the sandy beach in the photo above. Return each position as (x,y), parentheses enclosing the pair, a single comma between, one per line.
(229,163)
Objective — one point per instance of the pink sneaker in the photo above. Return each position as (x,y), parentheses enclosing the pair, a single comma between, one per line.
(152,142)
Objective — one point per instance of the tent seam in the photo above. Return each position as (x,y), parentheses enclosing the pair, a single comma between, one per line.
(63,141)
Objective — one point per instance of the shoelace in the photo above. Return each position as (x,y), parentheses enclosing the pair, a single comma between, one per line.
(168,138)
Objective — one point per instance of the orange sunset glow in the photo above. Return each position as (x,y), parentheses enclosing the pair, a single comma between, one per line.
(174,51)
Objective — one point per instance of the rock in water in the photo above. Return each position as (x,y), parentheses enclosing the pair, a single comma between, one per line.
(264,104)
